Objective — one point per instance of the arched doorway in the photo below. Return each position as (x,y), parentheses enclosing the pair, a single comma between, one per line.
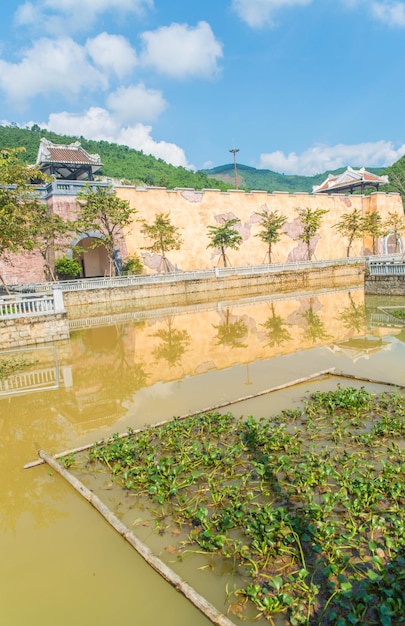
(393,244)
(93,259)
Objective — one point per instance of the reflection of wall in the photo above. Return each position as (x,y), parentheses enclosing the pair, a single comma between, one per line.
(173,347)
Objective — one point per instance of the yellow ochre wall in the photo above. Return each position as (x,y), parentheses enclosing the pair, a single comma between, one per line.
(192,211)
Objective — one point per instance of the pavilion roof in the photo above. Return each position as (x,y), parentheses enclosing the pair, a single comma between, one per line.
(349,181)
(70,154)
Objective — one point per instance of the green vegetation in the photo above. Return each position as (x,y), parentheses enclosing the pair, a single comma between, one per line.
(310,220)
(398,313)
(132,265)
(306,508)
(271,223)
(18,203)
(119,162)
(224,236)
(11,366)
(102,211)
(165,237)
(66,267)
(267,180)
(351,226)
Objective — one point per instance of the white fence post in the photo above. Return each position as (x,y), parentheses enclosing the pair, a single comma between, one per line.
(59,306)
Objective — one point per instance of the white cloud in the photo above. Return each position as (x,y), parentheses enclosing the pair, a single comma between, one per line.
(320,158)
(112,53)
(136,104)
(258,13)
(180,50)
(72,15)
(391,13)
(98,123)
(50,66)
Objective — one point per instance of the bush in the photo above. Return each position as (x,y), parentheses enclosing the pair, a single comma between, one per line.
(65,267)
(132,265)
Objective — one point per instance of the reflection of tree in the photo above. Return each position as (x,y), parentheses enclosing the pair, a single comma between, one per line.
(174,343)
(29,422)
(231,333)
(276,332)
(106,375)
(353,316)
(315,330)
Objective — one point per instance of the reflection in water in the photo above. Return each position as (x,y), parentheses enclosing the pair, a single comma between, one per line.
(173,344)
(315,330)
(137,372)
(276,331)
(231,333)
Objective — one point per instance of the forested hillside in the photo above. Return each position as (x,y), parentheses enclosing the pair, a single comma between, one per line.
(267,180)
(127,164)
(119,162)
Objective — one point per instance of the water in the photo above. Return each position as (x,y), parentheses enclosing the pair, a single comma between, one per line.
(61,563)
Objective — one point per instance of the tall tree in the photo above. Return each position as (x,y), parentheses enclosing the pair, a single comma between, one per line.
(19,202)
(164,235)
(311,220)
(271,224)
(48,230)
(374,226)
(224,236)
(351,226)
(395,225)
(102,211)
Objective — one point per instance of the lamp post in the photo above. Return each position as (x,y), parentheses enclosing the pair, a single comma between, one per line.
(234,151)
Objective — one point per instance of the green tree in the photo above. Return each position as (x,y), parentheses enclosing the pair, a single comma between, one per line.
(351,226)
(310,220)
(374,226)
(49,230)
(19,203)
(224,236)
(164,235)
(102,211)
(271,223)
(395,225)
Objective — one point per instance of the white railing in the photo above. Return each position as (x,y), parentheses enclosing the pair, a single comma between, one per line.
(28,305)
(84,284)
(386,269)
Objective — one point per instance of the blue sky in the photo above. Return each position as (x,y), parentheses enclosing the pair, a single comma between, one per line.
(298,86)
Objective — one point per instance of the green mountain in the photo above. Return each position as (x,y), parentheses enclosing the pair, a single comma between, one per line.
(119,162)
(137,168)
(267,180)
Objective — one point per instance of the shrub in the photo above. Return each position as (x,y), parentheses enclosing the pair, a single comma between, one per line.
(132,265)
(66,267)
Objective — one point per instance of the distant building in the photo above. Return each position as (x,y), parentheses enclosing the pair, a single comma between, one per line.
(67,162)
(350,181)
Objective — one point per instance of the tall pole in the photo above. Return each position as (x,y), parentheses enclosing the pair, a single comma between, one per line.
(234,151)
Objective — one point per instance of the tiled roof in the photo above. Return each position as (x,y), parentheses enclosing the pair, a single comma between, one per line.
(350,179)
(58,153)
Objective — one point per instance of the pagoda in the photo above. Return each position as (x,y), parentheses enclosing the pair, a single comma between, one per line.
(350,181)
(67,162)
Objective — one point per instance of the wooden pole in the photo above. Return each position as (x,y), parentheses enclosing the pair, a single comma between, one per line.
(368,380)
(166,572)
(207,410)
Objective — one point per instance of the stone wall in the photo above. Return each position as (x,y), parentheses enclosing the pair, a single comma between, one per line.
(193,291)
(27,331)
(192,211)
(384,285)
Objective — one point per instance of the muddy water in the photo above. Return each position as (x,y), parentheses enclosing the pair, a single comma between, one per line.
(60,562)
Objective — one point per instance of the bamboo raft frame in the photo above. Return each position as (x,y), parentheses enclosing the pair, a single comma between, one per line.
(201,603)
(158,565)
